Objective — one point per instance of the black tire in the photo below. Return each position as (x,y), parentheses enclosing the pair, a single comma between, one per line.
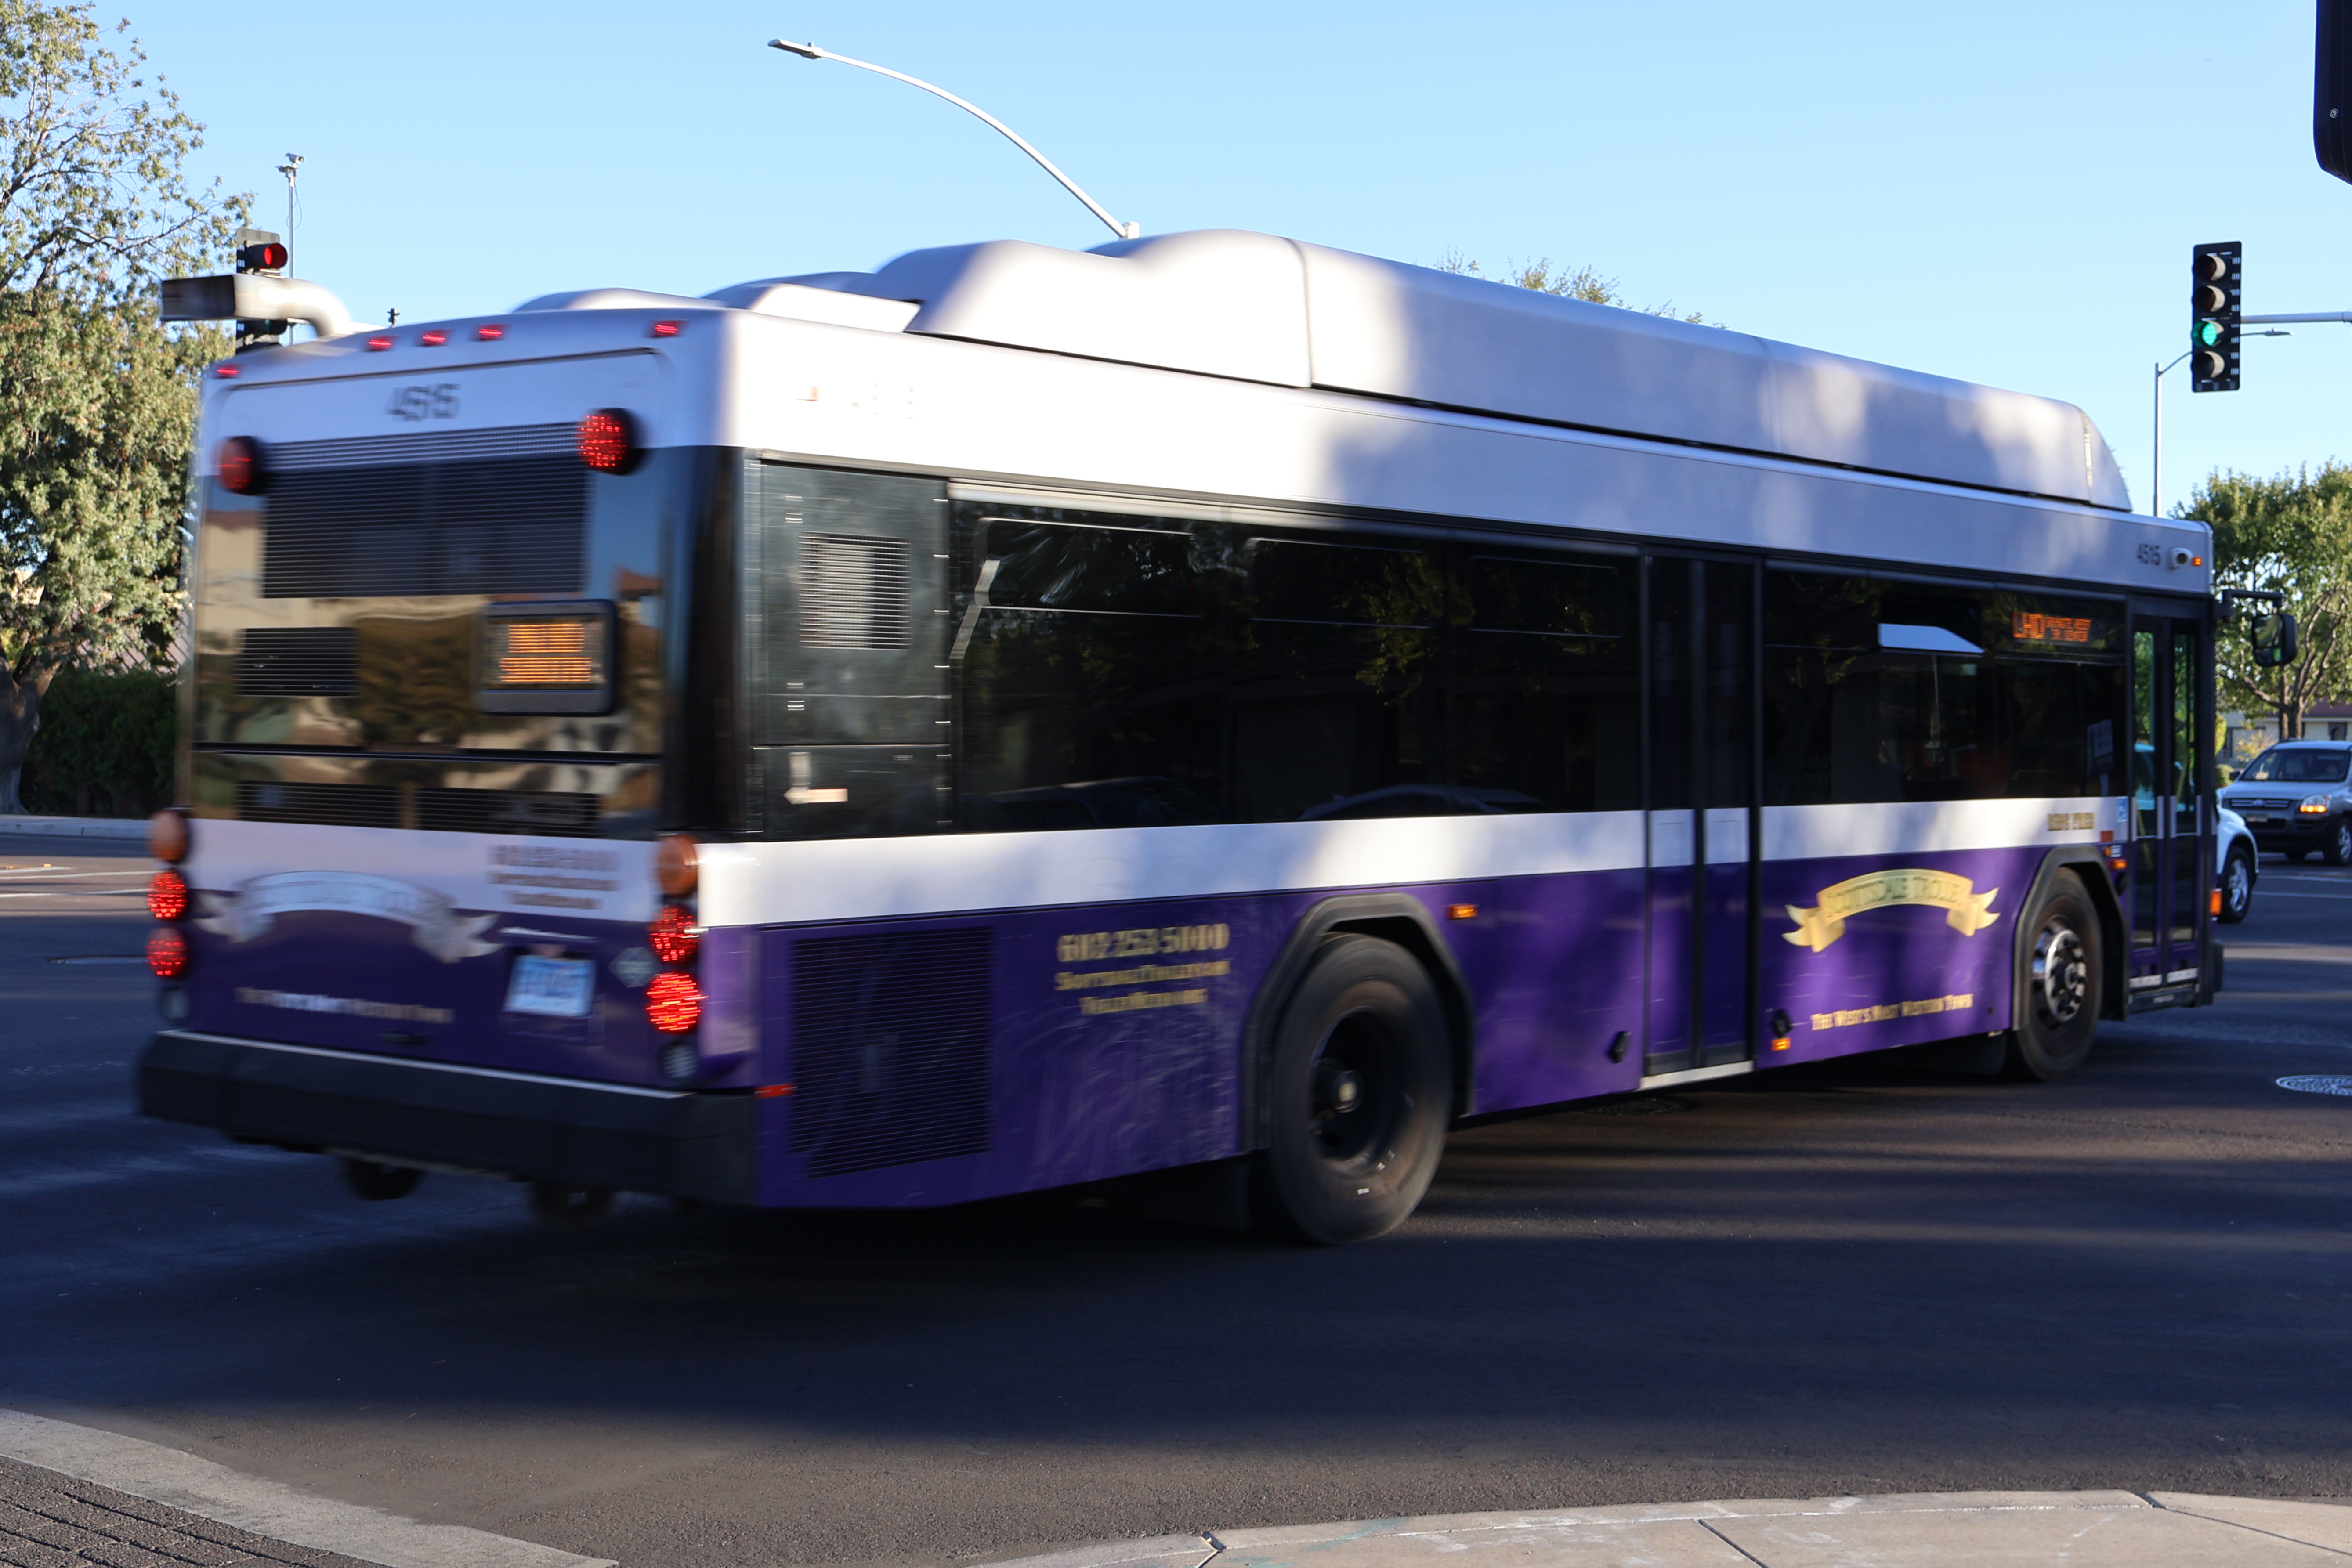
(562,1207)
(2237,885)
(2064,985)
(380,1183)
(2339,843)
(1360,1093)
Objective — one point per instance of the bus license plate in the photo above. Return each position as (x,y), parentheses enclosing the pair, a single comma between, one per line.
(557,987)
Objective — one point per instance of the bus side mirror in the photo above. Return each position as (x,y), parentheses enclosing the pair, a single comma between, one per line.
(2274,639)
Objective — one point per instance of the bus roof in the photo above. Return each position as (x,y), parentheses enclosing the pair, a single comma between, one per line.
(1225,302)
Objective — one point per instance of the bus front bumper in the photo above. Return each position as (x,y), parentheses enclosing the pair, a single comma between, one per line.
(437,1115)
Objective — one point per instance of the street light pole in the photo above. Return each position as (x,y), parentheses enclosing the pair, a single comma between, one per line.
(2156,468)
(811,52)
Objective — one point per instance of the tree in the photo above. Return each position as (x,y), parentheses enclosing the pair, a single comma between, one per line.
(2291,534)
(1583,284)
(97,397)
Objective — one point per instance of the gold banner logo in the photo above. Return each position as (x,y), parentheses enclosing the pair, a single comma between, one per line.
(1964,908)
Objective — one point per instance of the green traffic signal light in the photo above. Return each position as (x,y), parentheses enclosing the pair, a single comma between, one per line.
(2205,334)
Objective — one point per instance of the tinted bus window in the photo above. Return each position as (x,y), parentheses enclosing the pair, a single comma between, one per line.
(1896,691)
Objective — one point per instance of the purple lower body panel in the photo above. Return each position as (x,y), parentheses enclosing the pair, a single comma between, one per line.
(1863,955)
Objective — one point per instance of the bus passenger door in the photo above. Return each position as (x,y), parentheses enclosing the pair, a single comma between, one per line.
(1701,781)
(2171,807)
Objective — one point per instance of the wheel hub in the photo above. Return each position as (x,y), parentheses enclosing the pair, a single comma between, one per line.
(2062,978)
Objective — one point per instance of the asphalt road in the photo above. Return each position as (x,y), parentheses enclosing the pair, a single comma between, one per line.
(1858,1278)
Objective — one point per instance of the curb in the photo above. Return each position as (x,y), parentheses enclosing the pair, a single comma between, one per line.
(2145,1529)
(268,1508)
(77,827)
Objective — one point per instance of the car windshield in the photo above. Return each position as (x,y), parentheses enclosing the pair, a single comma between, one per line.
(2297,764)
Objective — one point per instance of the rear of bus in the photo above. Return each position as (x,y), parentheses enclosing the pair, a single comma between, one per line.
(441,622)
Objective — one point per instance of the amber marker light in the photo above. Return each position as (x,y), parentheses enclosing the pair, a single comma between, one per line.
(1781,1027)
(676,864)
(1461,912)
(167,835)
(2216,901)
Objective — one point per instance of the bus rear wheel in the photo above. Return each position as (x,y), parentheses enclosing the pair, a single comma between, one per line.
(2064,985)
(1359,1091)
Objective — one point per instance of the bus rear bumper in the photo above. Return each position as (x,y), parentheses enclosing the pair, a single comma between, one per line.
(433,1114)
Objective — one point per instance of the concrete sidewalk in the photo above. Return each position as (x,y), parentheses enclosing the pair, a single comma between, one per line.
(77,827)
(1923,1530)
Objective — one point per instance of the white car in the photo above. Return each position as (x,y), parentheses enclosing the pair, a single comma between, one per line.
(2235,870)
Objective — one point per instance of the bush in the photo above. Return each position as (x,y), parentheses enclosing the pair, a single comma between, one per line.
(105,745)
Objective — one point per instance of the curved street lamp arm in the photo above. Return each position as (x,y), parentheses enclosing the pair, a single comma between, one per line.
(811,52)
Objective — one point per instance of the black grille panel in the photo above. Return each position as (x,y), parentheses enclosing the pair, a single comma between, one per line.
(853,591)
(890,1049)
(297,662)
(543,812)
(336,805)
(498,526)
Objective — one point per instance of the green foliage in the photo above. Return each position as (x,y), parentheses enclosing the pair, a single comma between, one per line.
(1583,284)
(106,745)
(96,395)
(2293,534)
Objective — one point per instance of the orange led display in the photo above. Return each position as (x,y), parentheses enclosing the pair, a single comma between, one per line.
(548,652)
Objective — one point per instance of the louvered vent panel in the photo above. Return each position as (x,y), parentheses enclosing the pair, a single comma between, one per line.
(337,805)
(297,662)
(853,591)
(508,526)
(543,812)
(438,446)
(890,1049)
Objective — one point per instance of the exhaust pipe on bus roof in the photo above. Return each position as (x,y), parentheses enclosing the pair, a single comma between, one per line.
(256,297)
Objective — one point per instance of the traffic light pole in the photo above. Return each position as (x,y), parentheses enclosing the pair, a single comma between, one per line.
(2283,320)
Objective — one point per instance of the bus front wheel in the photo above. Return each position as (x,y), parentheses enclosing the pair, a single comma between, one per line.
(1361,1090)
(2065,978)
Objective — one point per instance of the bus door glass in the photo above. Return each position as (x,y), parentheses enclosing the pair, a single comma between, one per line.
(1702,766)
(2172,811)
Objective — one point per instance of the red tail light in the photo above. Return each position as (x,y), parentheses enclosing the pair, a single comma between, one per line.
(490,334)
(673,1002)
(167,895)
(167,954)
(674,936)
(608,441)
(240,464)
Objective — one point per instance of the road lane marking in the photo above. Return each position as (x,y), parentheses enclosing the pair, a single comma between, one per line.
(74,1114)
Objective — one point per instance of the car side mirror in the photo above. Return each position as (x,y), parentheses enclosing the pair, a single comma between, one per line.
(2275,639)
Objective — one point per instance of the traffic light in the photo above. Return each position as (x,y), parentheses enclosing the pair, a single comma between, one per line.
(2331,92)
(2215,303)
(259,250)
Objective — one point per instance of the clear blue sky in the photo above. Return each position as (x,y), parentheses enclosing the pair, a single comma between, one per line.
(2003,192)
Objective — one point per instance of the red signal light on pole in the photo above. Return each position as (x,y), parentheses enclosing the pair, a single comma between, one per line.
(267,257)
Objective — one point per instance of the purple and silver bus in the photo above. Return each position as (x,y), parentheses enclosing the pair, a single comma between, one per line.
(1206,715)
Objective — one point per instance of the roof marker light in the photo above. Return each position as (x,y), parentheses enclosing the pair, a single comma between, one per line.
(379,343)
(668,329)
(434,338)
(491,333)
(224,372)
